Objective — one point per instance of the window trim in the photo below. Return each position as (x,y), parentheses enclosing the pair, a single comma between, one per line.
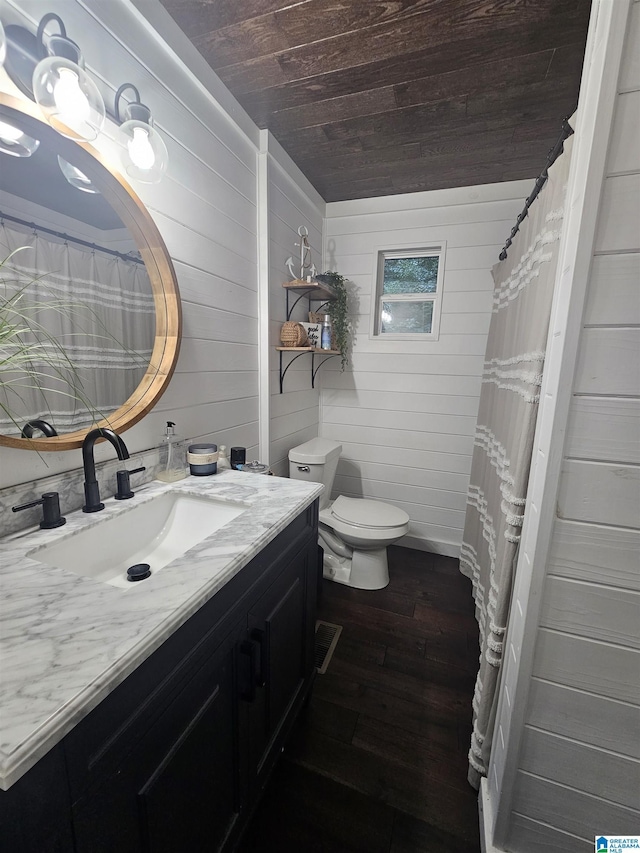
(417,250)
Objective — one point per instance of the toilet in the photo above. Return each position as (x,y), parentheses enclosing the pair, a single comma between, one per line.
(353,532)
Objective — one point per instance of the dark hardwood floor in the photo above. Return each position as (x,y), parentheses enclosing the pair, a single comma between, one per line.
(377,763)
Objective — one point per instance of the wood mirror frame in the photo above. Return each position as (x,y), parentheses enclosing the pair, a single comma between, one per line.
(117,192)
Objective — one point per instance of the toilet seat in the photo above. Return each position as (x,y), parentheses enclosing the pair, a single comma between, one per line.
(361,512)
(363,519)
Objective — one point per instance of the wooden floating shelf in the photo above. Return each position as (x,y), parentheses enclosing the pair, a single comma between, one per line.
(312,291)
(315,289)
(299,352)
(309,349)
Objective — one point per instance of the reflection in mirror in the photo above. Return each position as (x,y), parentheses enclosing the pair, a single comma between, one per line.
(102,312)
(89,325)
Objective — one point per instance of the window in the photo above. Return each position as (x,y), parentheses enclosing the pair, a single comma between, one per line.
(409,292)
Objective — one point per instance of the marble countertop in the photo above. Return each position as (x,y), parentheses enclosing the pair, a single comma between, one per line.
(67,641)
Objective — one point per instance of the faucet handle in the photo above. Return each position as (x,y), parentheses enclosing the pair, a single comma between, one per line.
(50,503)
(124,485)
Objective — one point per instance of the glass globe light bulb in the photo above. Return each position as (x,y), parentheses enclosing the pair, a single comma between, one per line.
(145,155)
(10,133)
(68,97)
(75,177)
(15,142)
(140,148)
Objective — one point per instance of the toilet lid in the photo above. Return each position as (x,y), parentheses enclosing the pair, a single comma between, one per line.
(367,513)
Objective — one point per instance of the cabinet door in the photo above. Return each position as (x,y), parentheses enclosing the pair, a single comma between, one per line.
(280,626)
(35,811)
(179,789)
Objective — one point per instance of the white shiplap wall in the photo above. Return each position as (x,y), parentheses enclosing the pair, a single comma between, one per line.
(405,413)
(292,202)
(207,210)
(579,768)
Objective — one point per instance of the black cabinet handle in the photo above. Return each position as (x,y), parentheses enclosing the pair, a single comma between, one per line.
(248,648)
(259,637)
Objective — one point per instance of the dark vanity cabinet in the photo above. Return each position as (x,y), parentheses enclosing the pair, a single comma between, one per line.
(176,788)
(282,659)
(175,758)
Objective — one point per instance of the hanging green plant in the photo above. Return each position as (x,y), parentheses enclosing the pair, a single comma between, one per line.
(338,309)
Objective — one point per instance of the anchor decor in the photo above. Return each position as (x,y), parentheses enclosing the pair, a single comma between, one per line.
(307,269)
(305,283)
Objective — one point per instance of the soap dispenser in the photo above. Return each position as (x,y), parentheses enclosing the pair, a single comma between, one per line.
(223,459)
(173,456)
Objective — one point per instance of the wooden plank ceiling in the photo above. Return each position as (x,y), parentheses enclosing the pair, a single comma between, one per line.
(374,97)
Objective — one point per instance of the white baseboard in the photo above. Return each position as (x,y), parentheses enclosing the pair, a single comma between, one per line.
(485,815)
(447,549)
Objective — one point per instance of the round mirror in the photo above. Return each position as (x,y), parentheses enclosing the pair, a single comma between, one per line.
(89,305)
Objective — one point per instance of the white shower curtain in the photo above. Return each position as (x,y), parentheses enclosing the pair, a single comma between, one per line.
(512,377)
(97,309)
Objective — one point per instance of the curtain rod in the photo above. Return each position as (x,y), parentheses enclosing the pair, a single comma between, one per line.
(541,180)
(69,239)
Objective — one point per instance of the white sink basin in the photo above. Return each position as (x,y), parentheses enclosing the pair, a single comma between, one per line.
(156,532)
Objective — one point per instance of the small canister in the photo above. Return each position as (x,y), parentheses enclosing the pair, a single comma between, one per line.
(238,456)
(203,459)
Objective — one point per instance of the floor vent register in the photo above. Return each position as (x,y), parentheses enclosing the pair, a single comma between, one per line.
(327,636)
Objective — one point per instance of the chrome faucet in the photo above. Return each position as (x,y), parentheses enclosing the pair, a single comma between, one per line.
(91,490)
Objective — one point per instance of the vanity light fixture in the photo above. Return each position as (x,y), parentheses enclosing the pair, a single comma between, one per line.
(14,142)
(68,97)
(75,177)
(145,155)
(50,71)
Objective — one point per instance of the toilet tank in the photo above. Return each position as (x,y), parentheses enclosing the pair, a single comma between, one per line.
(315,461)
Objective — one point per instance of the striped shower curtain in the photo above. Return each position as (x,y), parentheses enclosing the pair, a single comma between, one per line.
(96,308)
(512,377)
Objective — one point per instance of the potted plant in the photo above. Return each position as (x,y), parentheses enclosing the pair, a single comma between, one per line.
(338,309)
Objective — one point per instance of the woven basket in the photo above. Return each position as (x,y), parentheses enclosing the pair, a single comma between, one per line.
(293,334)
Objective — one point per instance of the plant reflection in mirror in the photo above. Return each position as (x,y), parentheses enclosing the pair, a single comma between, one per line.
(40,331)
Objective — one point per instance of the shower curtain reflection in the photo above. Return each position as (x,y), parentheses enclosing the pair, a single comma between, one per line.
(91,319)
